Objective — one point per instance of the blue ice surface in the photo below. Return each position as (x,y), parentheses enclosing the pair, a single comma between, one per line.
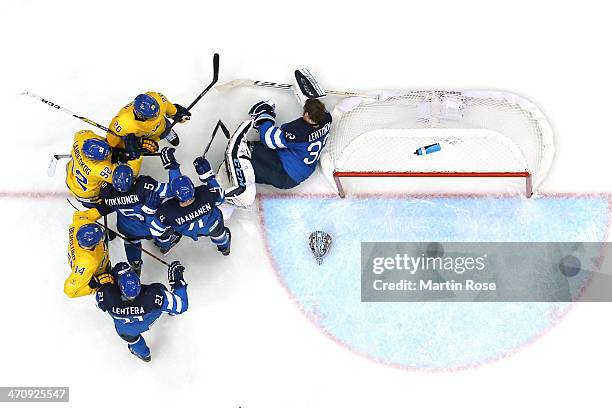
(433,336)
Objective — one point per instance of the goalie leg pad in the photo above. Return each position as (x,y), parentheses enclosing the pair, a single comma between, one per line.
(238,179)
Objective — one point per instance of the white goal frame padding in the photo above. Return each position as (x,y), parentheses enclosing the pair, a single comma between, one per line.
(482,134)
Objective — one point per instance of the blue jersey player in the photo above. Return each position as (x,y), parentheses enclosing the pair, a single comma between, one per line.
(135,202)
(193,211)
(135,307)
(288,155)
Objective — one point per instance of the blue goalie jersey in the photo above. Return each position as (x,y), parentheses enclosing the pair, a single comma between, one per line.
(136,316)
(299,144)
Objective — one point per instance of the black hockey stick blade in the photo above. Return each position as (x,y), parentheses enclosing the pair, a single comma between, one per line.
(221,126)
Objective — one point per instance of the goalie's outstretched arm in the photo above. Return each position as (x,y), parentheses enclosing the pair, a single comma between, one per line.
(264,117)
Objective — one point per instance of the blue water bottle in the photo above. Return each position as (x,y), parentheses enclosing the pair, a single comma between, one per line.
(421,151)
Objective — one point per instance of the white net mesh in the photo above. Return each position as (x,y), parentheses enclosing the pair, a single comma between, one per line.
(478,131)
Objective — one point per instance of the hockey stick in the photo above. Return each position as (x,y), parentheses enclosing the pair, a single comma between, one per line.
(53,163)
(287,87)
(56,157)
(123,237)
(215,78)
(92,123)
(68,111)
(221,126)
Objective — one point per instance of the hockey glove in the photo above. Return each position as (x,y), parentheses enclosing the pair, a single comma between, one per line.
(202,167)
(149,146)
(175,275)
(118,155)
(182,114)
(263,107)
(152,203)
(262,118)
(132,146)
(102,279)
(168,159)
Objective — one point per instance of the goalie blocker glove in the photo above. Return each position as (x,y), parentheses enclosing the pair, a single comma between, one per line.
(262,112)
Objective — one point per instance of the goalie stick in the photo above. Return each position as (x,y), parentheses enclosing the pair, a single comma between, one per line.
(56,157)
(287,87)
(123,237)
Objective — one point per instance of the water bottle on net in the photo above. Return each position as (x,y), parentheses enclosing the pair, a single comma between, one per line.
(432,148)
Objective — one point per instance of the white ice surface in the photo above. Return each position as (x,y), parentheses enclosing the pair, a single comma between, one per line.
(244,342)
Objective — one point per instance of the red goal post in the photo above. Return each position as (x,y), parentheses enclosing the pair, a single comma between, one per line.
(481,134)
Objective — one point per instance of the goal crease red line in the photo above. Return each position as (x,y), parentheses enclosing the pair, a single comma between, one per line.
(525,174)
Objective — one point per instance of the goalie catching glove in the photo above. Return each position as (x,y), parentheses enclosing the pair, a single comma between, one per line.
(261,112)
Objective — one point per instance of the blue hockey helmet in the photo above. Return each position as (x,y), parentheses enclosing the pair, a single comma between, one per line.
(89,235)
(129,282)
(182,188)
(96,149)
(145,107)
(123,178)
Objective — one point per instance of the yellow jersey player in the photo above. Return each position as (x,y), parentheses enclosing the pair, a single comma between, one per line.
(146,118)
(91,166)
(87,255)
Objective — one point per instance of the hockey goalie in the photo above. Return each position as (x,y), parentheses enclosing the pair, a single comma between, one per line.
(237,173)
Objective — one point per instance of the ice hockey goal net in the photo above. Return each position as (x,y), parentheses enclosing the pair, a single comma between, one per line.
(481,134)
